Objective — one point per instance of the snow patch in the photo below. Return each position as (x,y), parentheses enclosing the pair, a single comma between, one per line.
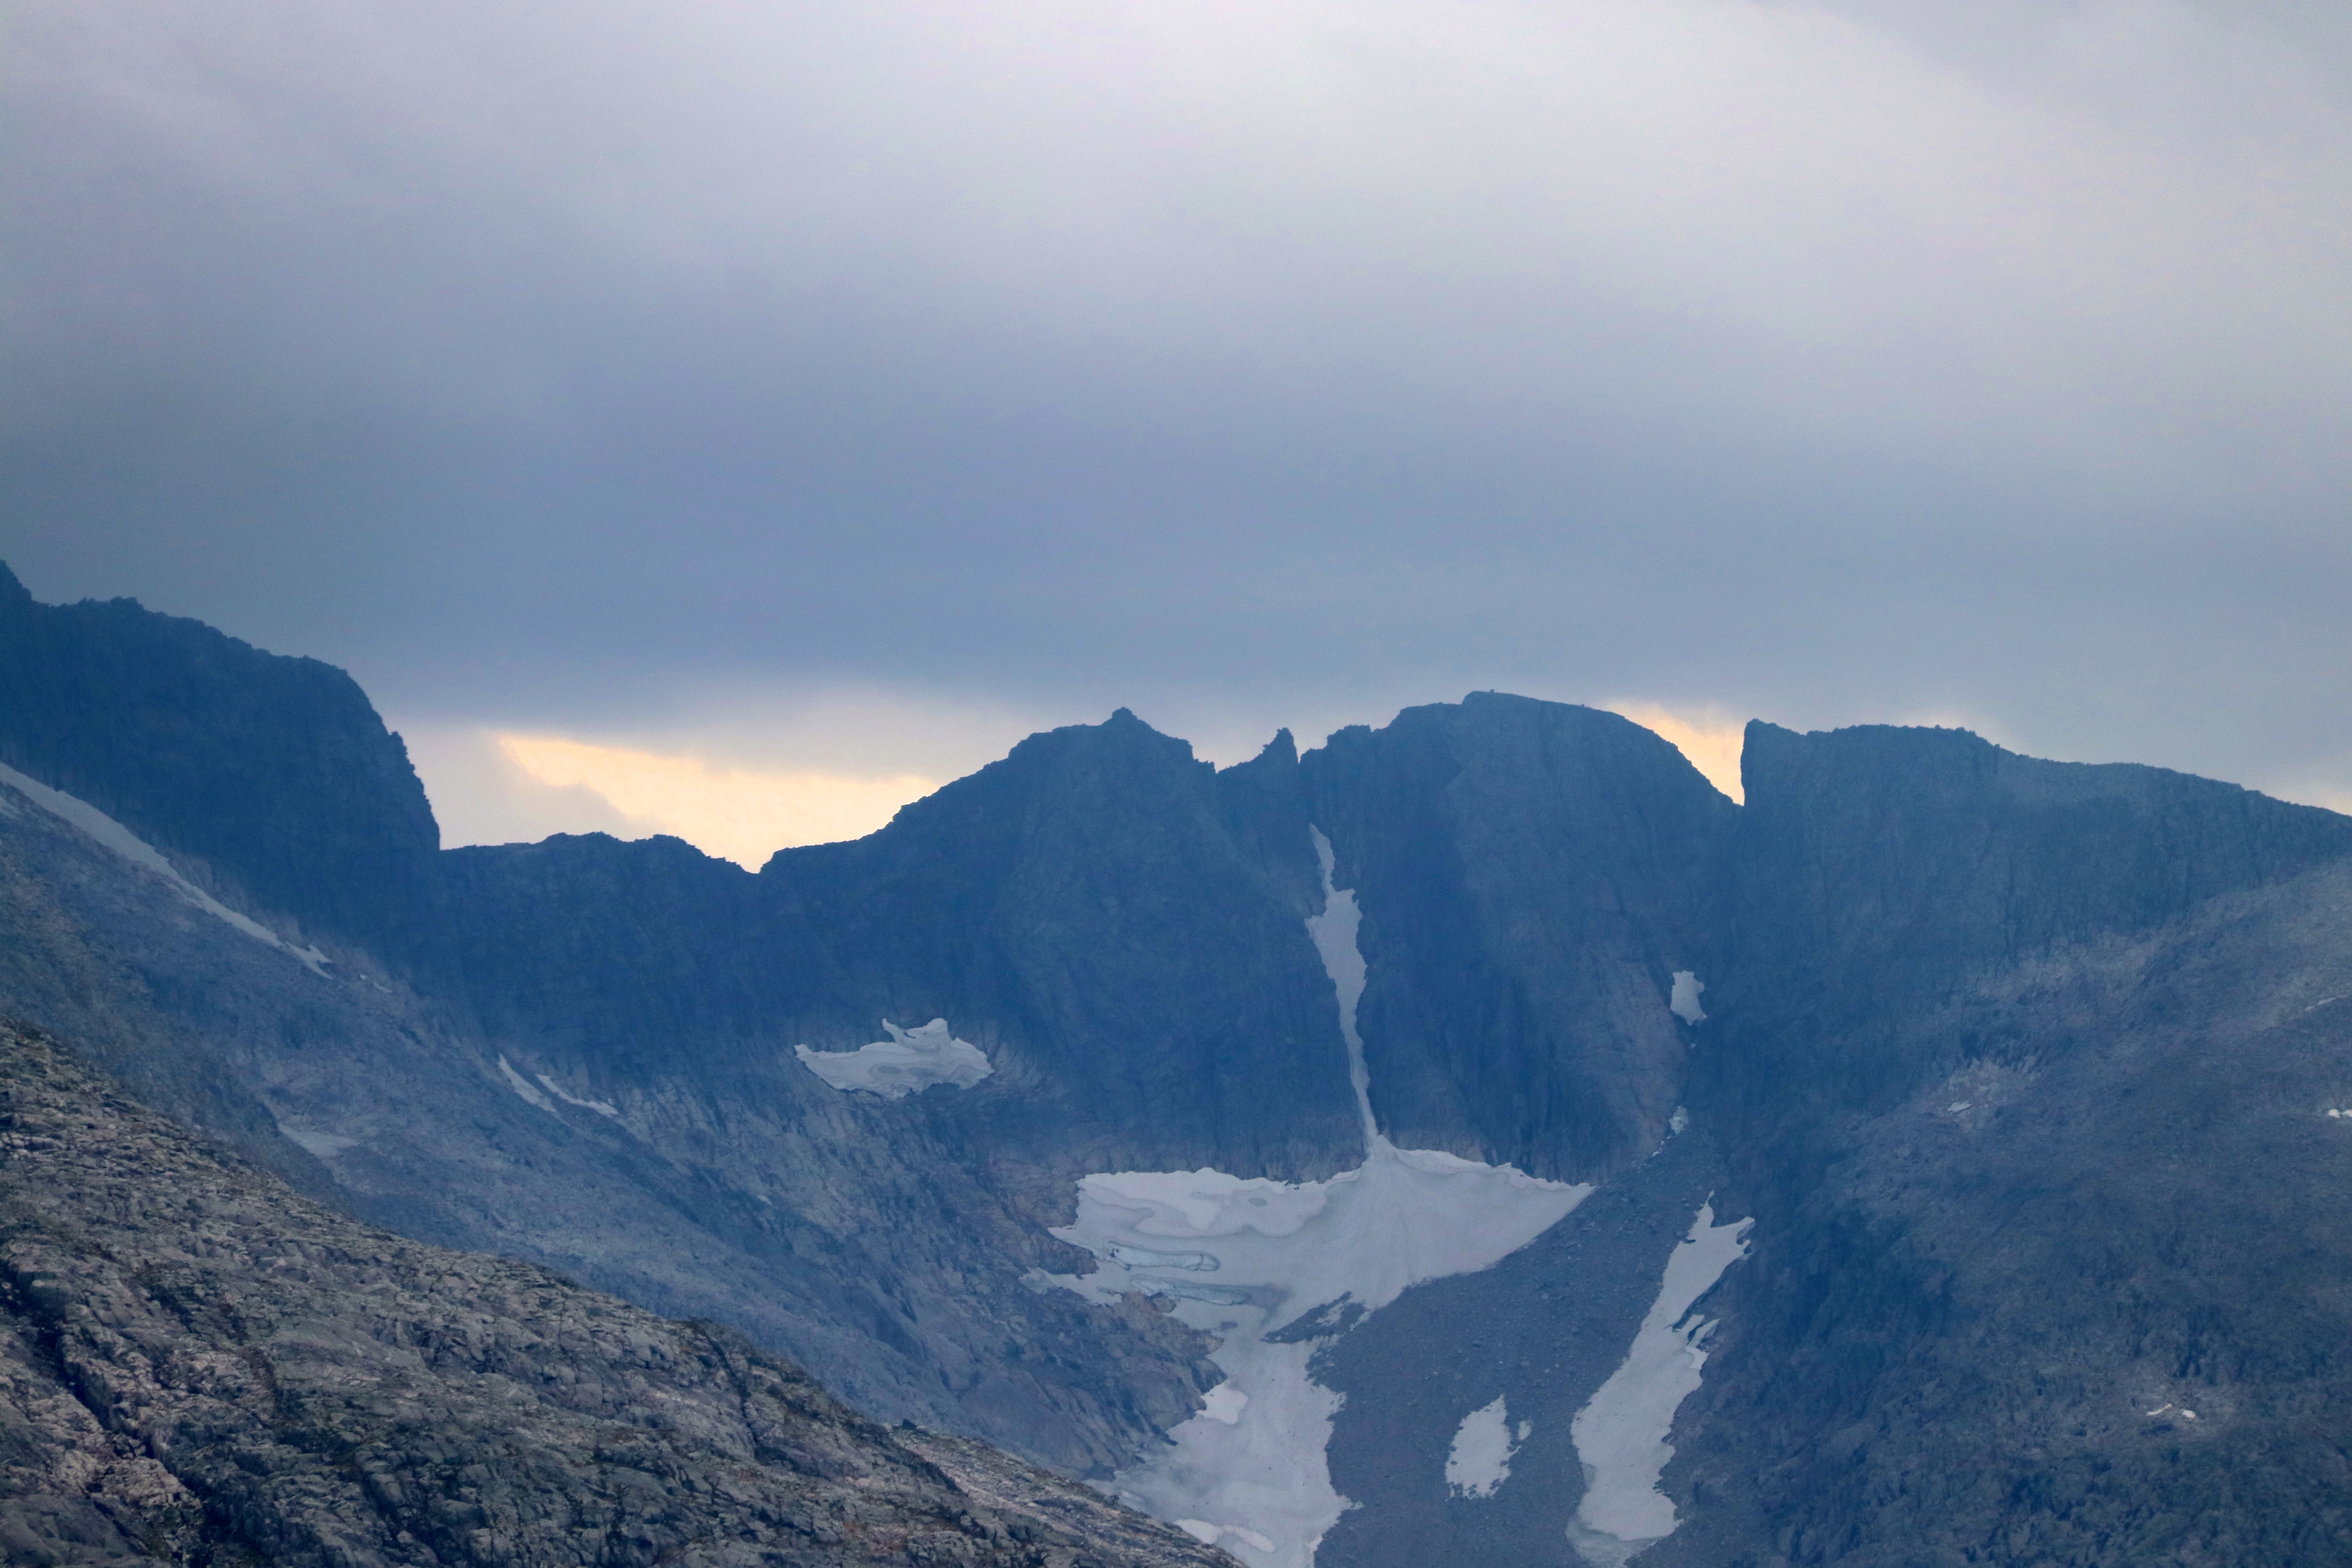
(598,1106)
(532,1092)
(1621,1434)
(1224,1402)
(1404,1216)
(111,835)
(1480,1459)
(908,1060)
(1251,1468)
(325,1145)
(1684,1002)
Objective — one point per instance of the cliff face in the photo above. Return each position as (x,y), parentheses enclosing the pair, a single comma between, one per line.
(199,1365)
(274,772)
(2025,1070)
(1874,870)
(1531,875)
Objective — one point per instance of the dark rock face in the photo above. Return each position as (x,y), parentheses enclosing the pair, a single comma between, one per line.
(1875,869)
(1086,897)
(2024,1067)
(1082,910)
(274,772)
(600,946)
(2078,1295)
(1531,875)
(200,1365)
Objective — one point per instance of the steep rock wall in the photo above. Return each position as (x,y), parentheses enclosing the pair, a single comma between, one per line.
(275,774)
(1531,875)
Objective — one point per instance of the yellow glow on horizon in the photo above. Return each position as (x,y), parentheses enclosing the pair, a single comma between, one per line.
(1711,740)
(732,813)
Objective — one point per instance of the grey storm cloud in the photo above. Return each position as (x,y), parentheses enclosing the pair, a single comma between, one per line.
(1826,361)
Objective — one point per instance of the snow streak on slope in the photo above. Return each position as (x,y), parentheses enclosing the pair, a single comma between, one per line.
(1272,1268)
(111,835)
(1334,933)
(1621,1434)
(524,1087)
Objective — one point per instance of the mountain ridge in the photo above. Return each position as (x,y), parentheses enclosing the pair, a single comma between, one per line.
(1930,968)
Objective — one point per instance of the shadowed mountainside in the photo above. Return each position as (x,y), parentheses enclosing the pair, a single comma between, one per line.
(2025,1069)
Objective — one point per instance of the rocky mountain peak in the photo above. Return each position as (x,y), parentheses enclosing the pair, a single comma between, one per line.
(275,774)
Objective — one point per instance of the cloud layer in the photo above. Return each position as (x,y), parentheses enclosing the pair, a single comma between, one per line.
(558,366)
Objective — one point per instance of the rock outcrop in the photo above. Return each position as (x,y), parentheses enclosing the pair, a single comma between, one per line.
(199,1365)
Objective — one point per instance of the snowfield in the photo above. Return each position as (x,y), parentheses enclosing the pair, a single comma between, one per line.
(1480,1460)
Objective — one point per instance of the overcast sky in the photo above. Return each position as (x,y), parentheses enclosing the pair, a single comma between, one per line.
(842,390)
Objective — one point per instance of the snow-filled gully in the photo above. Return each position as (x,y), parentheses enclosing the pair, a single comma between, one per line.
(1273,1269)
(1247,1258)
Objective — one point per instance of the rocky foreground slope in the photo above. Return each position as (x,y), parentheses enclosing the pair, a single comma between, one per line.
(199,1365)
